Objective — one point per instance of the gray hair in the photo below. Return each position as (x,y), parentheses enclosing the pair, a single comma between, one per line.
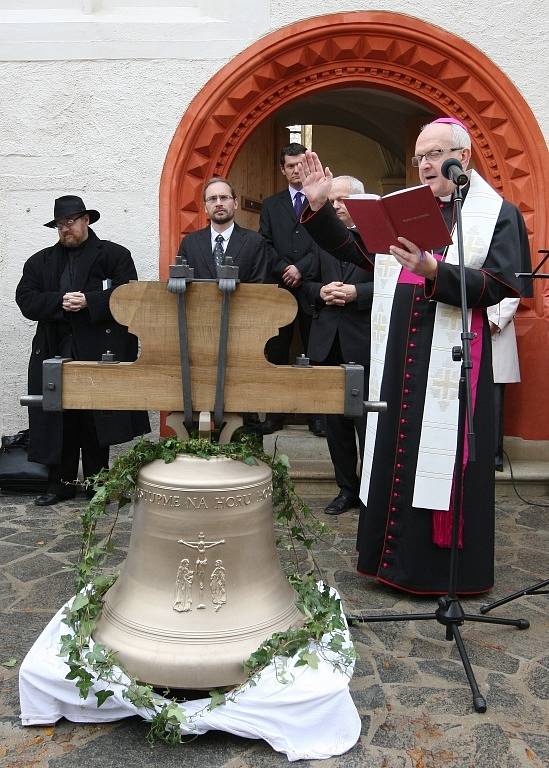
(460,137)
(356,187)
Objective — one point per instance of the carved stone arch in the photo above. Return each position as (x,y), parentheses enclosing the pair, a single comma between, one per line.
(378,49)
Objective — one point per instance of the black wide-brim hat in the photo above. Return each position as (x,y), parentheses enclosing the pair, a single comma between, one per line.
(70,205)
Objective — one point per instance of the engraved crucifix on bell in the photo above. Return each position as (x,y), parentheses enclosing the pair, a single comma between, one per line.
(201,562)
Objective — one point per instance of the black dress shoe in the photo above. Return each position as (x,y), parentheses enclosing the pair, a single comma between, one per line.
(341,504)
(48,499)
(317,425)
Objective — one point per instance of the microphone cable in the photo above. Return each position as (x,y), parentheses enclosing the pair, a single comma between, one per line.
(526,501)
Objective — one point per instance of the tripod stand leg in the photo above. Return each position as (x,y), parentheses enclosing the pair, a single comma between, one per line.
(354,618)
(535,588)
(518,623)
(479,702)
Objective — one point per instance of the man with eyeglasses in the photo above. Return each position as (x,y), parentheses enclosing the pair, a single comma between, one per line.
(208,247)
(66,288)
(405,528)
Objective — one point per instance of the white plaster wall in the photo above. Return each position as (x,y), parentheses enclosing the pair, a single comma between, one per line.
(92,112)
(512,33)
(100,129)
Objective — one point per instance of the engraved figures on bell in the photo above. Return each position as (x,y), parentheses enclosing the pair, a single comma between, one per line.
(183,587)
(217,585)
(217,577)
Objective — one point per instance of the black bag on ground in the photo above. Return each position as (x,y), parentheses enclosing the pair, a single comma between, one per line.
(17,473)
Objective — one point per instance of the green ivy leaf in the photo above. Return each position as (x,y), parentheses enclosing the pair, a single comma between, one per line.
(102,697)
(284,460)
(79,602)
(336,643)
(310,658)
(217,698)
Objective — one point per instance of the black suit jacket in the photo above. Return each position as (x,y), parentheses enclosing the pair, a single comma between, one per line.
(290,240)
(351,321)
(248,250)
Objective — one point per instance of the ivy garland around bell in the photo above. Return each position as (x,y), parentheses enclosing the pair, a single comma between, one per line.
(91,663)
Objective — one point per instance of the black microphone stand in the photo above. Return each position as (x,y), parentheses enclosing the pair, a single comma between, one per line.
(534,589)
(450,612)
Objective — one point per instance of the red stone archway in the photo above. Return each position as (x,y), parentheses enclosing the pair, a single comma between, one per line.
(393,52)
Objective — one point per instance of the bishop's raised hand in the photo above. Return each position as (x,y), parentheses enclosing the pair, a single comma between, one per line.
(316,181)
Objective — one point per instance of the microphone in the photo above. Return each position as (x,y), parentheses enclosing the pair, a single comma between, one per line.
(452,170)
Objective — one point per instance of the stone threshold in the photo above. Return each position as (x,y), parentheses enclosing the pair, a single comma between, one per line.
(311,467)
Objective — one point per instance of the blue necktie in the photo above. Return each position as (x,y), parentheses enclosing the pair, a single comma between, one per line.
(298,204)
(218,252)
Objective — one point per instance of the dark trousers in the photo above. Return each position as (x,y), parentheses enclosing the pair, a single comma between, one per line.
(79,435)
(341,435)
(499,395)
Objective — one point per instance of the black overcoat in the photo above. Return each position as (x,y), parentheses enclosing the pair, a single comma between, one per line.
(94,331)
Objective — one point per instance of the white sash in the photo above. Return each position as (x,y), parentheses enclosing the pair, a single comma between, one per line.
(437,447)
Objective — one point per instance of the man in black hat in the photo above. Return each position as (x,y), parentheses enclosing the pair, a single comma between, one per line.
(66,288)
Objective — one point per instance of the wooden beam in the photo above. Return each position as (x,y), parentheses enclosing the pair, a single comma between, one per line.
(153,382)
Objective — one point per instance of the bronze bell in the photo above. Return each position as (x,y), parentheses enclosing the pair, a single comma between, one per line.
(202,586)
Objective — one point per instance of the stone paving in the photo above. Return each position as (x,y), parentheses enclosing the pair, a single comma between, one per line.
(409,685)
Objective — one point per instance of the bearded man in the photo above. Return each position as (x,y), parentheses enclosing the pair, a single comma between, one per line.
(66,288)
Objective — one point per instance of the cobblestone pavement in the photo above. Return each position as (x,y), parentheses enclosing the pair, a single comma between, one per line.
(409,685)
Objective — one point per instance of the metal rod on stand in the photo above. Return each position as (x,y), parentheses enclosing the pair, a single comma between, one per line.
(180,274)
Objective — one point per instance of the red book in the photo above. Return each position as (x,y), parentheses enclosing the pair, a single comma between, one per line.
(412,213)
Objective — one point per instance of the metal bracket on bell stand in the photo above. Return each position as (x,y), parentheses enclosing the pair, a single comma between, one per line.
(354,403)
(51,398)
(354,390)
(227,278)
(180,274)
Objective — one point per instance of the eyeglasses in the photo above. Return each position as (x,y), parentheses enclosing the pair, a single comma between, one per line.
(432,156)
(68,222)
(221,198)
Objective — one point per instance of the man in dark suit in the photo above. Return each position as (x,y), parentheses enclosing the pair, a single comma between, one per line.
(66,288)
(296,254)
(207,247)
(340,295)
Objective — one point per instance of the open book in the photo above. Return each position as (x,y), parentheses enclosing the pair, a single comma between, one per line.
(412,213)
